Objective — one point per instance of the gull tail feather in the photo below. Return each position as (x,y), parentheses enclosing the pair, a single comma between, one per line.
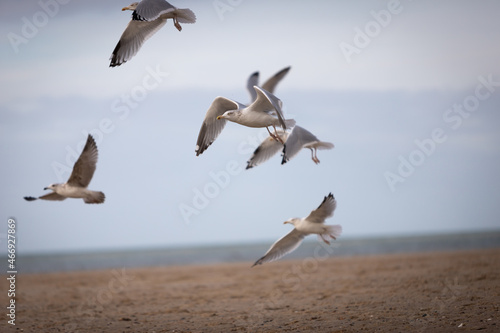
(332,232)
(186,15)
(94,197)
(324,145)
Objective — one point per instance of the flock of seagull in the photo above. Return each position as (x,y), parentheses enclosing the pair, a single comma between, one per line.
(264,111)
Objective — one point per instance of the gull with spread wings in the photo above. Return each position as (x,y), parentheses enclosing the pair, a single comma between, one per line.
(265,111)
(147,18)
(295,140)
(312,224)
(76,186)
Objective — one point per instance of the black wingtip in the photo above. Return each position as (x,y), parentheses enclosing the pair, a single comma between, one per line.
(30,198)
(258,262)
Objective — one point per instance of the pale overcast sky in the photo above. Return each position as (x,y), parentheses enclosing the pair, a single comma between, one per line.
(408,91)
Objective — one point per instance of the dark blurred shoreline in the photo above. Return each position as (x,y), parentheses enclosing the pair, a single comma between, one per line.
(251,252)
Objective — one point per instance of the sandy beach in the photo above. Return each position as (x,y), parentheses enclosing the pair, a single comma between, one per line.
(424,292)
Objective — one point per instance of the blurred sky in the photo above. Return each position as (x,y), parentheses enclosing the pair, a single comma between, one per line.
(409,93)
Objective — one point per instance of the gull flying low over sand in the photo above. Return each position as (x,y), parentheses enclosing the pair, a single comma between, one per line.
(148,17)
(295,140)
(269,85)
(265,111)
(312,224)
(76,186)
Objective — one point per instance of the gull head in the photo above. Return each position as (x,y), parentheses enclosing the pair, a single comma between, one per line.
(292,221)
(132,6)
(51,187)
(229,115)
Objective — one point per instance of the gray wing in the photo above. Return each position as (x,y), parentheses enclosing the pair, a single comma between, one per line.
(271,83)
(283,246)
(267,102)
(324,211)
(296,141)
(211,126)
(253,80)
(85,165)
(50,196)
(136,33)
(149,10)
(267,149)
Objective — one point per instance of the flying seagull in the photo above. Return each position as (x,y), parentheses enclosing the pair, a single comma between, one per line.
(269,85)
(265,111)
(147,18)
(312,224)
(295,140)
(301,138)
(76,186)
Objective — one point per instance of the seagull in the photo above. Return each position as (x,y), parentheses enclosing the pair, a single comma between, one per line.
(269,85)
(76,186)
(301,138)
(258,114)
(312,224)
(147,18)
(295,140)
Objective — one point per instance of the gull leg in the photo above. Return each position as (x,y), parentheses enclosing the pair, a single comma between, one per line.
(313,156)
(333,237)
(274,136)
(277,136)
(324,240)
(176,23)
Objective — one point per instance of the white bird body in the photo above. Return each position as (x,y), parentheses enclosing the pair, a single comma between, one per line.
(314,223)
(76,186)
(147,18)
(257,115)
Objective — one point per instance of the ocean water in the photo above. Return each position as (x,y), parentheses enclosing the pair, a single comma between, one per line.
(251,252)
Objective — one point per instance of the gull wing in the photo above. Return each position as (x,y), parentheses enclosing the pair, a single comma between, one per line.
(49,196)
(267,149)
(253,80)
(85,165)
(267,102)
(136,33)
(283,246)
(324,211)
(271,83)
(211,126)
(297,139)
(149,10)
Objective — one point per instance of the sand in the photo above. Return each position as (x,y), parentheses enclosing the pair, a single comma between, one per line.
(425,292)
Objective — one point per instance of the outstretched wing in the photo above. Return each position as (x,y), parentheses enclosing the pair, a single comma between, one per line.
(253,80)
(149,10)
(49,196)
(136,33)
(267,149)
(297,139)
(273,81)
(267,102)
(324,211)
(211,126)
(85,165)
(283,246)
